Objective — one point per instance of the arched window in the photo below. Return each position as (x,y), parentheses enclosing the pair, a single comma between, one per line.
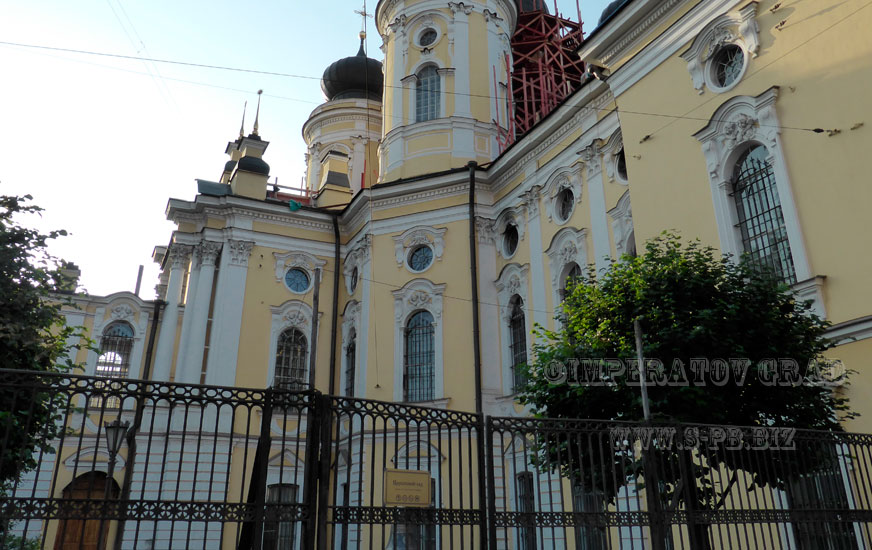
(350,358)
(572,274)
(279,535)
(427,94)
(418,372)
(518,331)
(292,354)
(116,345)
(758,208)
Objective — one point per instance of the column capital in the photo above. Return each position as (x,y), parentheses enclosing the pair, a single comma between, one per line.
(239,252)
(208,251)
(179,255)
(458,8)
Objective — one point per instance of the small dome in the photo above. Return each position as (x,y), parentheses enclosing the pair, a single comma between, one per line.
(254,164)
(534,5)
(610,10)
(354,77)
(229,165)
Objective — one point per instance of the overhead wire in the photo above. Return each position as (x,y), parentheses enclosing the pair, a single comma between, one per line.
(292,75)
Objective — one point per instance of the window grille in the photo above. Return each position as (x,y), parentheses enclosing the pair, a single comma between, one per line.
(761,220)
(291,358)
(526,504)
(427,95)
(116,346)
(588,537)
(350,358)
(419,372)
(565,200)
(418,537)
(518,330)
(279,535)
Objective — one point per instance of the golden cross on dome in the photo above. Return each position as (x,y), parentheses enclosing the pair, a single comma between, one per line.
(363,15)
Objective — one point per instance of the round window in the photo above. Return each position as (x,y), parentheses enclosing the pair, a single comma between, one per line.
(420,258)
(354,276)
(621,165)
(427,37)
(727,65)
(565,199)
(510,240)
(297,279)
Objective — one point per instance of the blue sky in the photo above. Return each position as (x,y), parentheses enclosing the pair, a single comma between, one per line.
(102,143)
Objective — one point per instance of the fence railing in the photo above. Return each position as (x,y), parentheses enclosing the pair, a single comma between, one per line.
(94,463)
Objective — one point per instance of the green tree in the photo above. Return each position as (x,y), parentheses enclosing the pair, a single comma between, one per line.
(33,337)
(692,303)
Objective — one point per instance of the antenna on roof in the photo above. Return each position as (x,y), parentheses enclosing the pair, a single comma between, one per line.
(242,126)
(257,115)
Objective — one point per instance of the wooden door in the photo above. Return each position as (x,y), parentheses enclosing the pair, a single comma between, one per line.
(77,534)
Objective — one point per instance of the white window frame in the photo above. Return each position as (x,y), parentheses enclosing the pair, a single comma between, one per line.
(622,224)
(292,314)
(131,313)
(569,246)
(303,260)
(421,235)
(418,295)
(513,280)
(738,124)
(351,323)
(563,179)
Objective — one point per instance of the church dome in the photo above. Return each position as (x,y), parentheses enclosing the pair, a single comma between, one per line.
(610,10)
(358,76)
(533,5)
(254,164)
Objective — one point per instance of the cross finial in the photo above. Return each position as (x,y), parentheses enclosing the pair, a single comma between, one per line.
(363,15)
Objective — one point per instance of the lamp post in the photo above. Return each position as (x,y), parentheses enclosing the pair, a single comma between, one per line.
(115,432)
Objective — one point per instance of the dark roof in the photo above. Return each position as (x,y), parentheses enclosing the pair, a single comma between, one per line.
(613,8)
(533,5)
(205,187)
(254,164)
(229,165)
(337,178)
(351,77)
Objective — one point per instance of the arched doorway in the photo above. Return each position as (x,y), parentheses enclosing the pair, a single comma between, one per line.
(77,534)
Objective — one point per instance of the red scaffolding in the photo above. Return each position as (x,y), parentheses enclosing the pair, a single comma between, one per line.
(545,68)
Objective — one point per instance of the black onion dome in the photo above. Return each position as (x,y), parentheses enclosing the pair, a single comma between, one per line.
(254,164)
(229,165)
(610,10)
(533,5)
(358,76)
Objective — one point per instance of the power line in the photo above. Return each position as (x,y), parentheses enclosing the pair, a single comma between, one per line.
(291,75)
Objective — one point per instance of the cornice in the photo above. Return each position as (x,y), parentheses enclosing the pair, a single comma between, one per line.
(318,120)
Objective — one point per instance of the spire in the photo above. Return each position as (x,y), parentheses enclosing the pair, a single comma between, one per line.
(363,15)
(362,51)
(257,115)
(242,126)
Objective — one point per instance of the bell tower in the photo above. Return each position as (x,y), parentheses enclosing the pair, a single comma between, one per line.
(445,83)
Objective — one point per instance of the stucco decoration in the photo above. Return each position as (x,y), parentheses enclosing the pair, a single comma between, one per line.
(738,124)
(739,28)
(560,180)
(569,246)
(591,156)
(510,216)
(485,230)
(303,260)
(622,224)
(417,236)
(291,314)
(611,151)
(122,312)
(179,255)
(207,252)
(359,253)
(530,201)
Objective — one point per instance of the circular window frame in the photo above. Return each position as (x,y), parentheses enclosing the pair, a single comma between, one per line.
(507,255)
(622,178)
(420,34)
(414,249)
(711,67)
(303,270)
(561,191)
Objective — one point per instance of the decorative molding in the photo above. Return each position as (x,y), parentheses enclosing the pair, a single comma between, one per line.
(622,224)
(612,49)
(360,253)
(291,314)
(739,28)
(303,260)
(491,16)
(530,201)
(485,230)
(813,291)
(510,216)
(240,251)
(568,246)
(565,178)
(417,295)
(612,150)
(122,312)
(416,236)
(513,281)
(459,7)
(592,158)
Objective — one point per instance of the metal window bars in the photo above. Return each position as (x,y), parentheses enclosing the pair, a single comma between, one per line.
(419,372)
(292,360)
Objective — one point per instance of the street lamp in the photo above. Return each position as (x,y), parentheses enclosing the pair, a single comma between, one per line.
(115,432)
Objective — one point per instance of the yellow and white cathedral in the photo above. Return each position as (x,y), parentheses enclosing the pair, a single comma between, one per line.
(371,288)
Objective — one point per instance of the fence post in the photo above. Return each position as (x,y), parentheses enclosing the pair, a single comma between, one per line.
(314,418)
(484,482)
(490,471)
(325,444)
(652,494)
(252,531)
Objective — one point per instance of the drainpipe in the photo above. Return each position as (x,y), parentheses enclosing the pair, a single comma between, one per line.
(334,320)
(473,274)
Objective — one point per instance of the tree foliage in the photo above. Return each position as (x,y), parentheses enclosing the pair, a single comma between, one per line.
(33,336)
(692,303)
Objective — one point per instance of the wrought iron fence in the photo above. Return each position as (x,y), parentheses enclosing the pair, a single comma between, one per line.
(191,466)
